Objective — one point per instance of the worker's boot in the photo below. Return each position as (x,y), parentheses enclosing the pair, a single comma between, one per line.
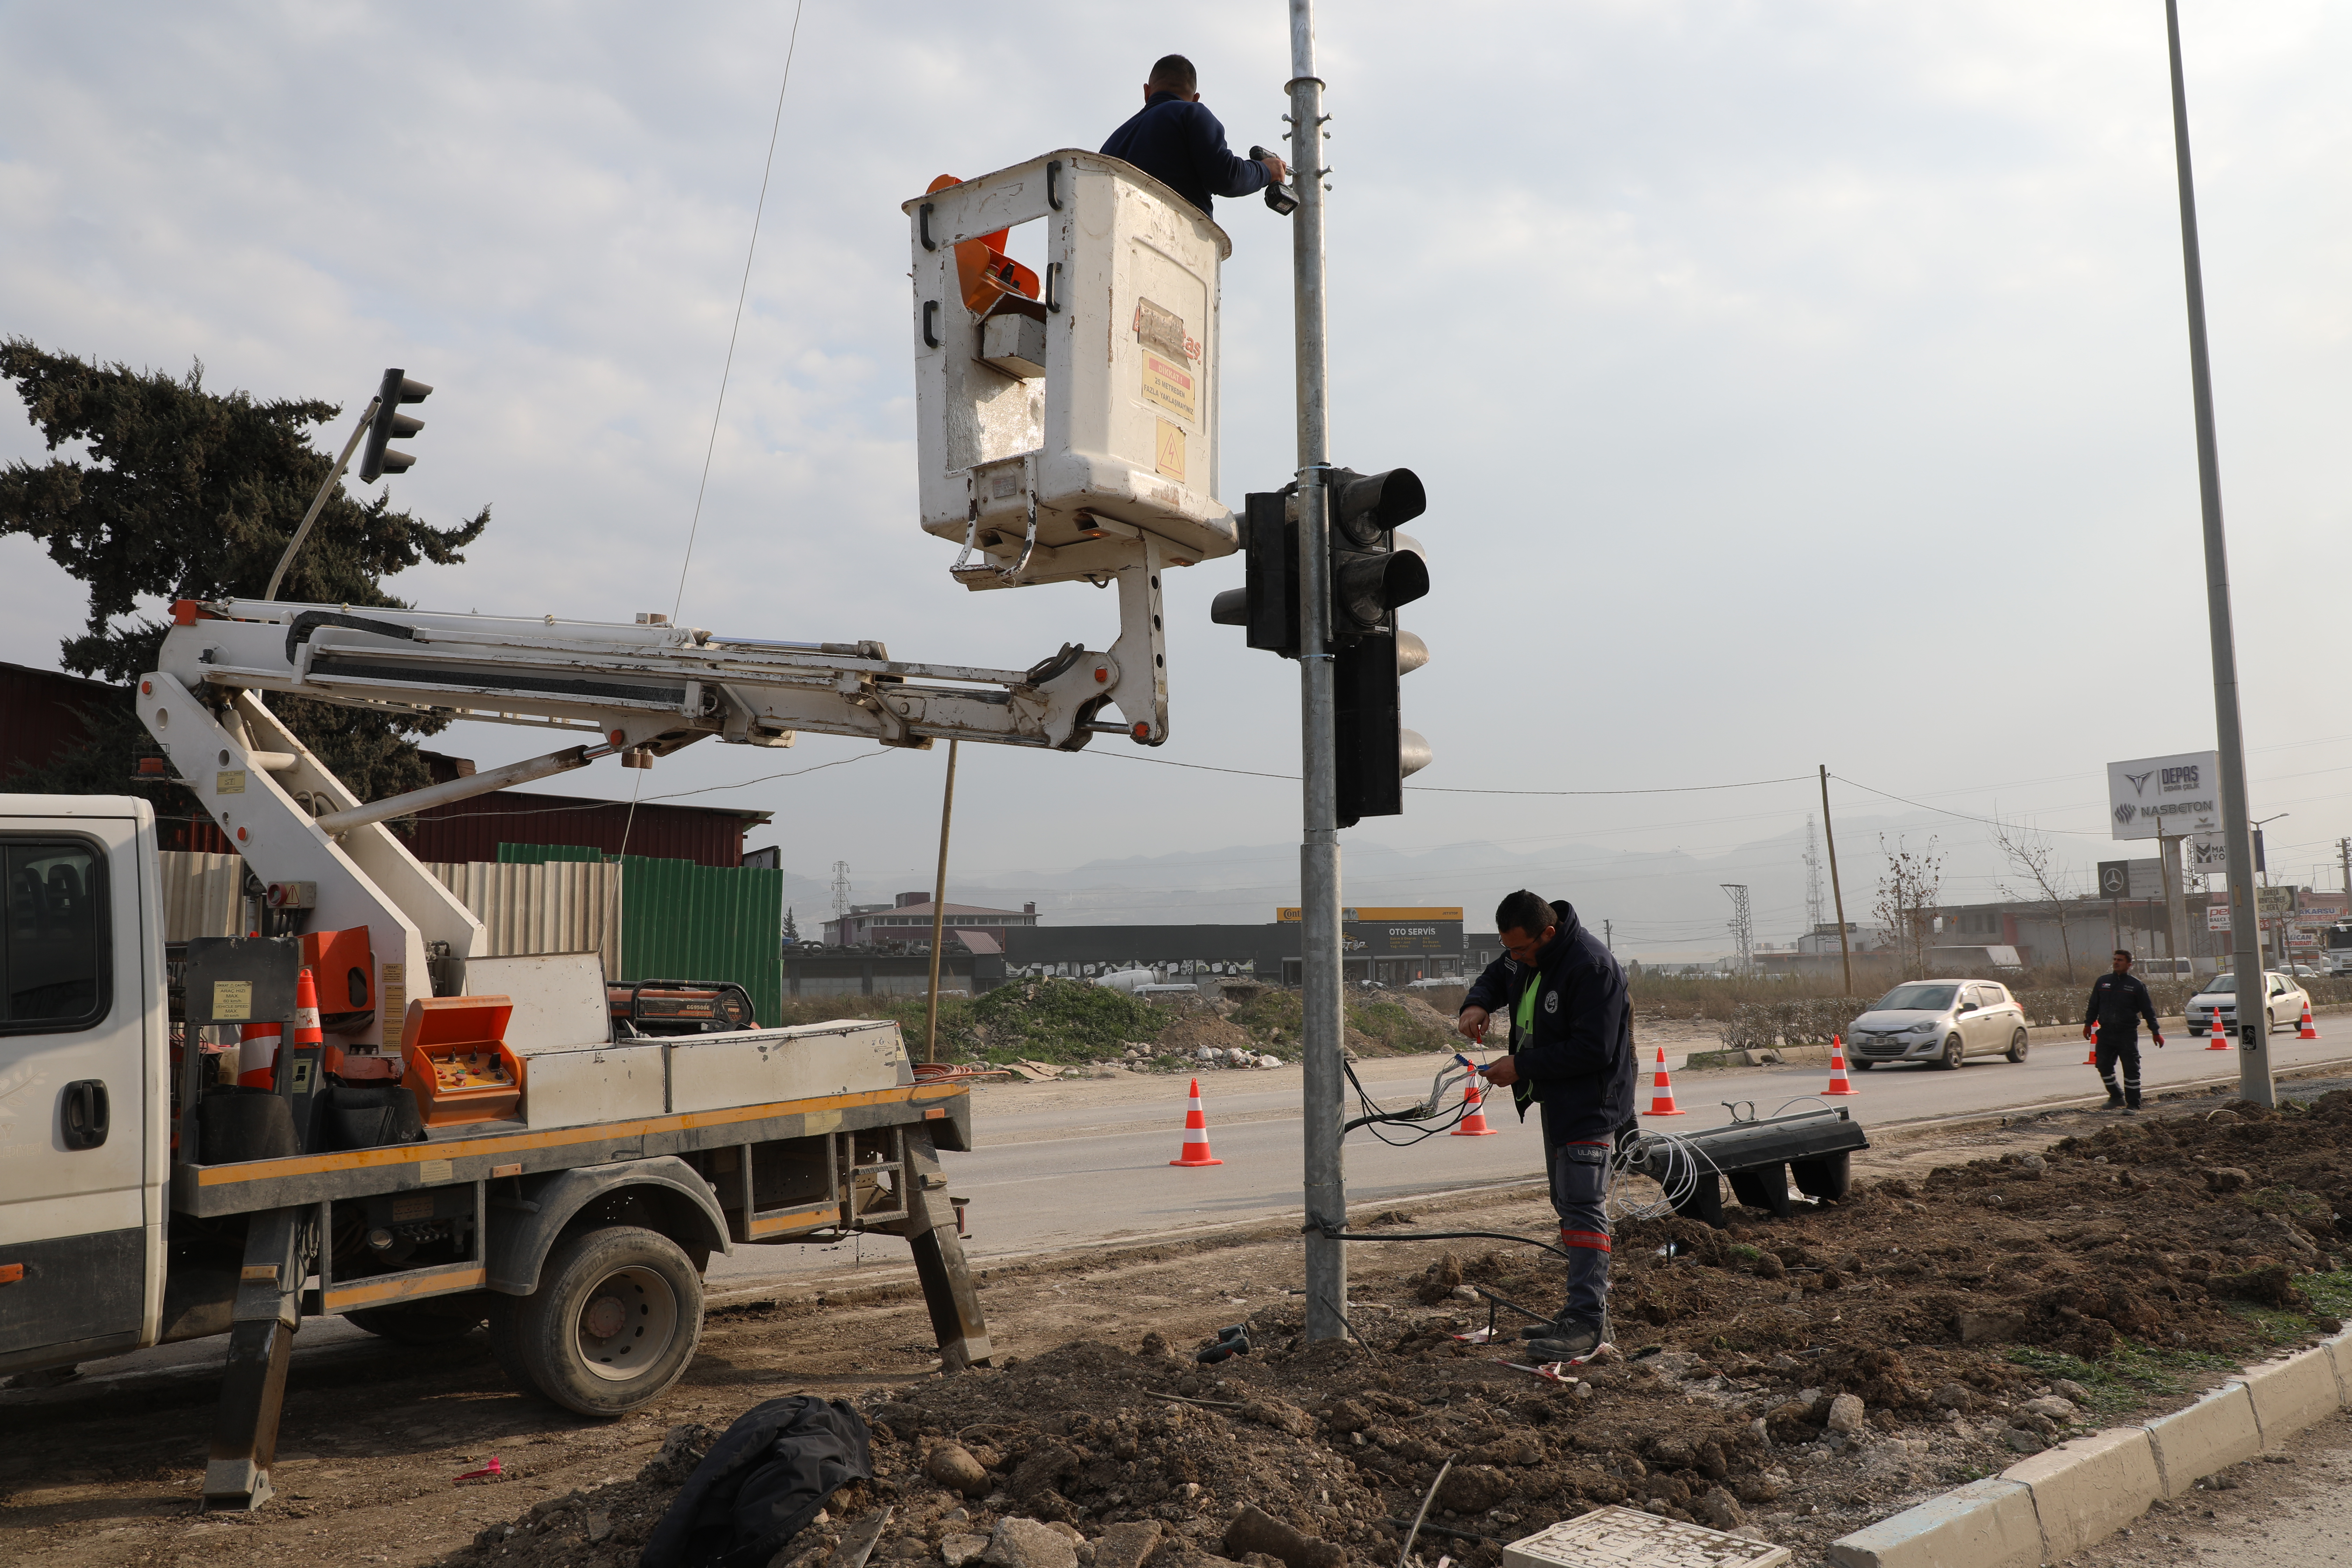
(2115,1097)
(1567,1340)
(2131,1100)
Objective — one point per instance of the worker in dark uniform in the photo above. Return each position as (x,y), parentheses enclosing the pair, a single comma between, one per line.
(2118,1002)
(1180,143)
(1571,1039)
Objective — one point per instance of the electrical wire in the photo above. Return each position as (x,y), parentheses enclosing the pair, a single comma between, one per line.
(1432,789)
(741,294)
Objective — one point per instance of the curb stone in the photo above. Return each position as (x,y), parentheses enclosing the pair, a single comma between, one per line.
(2087,1487)
(1985,1524)
(2218,1431)
(2078,1493)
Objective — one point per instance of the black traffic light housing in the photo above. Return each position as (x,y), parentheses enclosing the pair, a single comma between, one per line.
(391,424)
(1374,752)
(1267,602)
(1370,573)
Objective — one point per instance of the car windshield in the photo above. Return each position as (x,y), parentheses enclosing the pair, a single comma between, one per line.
(1916,999)
(2221,984)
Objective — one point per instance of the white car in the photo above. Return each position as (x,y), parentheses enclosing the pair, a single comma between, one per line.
(1938,1022)
(2215,1009)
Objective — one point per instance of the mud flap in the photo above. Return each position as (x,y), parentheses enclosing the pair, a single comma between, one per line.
(929,1229)
(278,1247)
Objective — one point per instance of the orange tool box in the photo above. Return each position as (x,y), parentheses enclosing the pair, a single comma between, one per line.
(458,1060)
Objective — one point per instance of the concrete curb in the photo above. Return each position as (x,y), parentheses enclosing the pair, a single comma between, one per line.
(2055,1504)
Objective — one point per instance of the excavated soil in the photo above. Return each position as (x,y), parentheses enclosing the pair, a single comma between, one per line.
(1967,1308)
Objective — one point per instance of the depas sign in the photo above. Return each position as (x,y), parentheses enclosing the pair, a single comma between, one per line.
(2172,795)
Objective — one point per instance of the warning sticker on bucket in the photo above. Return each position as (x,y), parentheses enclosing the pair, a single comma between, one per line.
(1169,385)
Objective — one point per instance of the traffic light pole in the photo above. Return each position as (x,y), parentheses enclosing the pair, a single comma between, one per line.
(2237,828)
(1318,855)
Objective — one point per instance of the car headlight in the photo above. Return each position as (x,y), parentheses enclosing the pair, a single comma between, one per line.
(1927,1028)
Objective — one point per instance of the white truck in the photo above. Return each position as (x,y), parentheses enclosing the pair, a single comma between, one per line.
(446,1138)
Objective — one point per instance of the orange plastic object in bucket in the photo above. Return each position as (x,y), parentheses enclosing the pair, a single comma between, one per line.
(983,271)
(457,1061)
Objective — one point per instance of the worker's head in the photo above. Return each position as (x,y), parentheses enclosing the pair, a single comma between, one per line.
(2123,959)
(1173,73)
(1525,922)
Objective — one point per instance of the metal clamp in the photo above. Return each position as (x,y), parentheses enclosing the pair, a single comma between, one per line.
(1028,543)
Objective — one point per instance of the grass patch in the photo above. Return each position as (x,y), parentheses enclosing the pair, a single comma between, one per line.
(2331,1293)
(2290,1201)
(2129,1376)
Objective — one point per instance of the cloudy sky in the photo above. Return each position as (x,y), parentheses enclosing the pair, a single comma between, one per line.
(1793,384)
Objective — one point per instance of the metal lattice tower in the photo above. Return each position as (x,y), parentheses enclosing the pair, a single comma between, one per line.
(1742,933)
(1814,917)
(841,890)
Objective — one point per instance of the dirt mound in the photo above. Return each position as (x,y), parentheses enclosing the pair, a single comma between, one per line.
(1188,1035)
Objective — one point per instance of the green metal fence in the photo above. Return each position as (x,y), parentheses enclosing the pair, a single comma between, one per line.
(684,921)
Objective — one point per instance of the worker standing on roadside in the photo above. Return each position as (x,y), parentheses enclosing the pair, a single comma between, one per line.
(1180,143)
(2118,1002)
(1571,1052)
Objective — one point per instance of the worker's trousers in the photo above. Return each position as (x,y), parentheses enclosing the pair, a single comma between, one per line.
(2122,1048)
(1580,1195)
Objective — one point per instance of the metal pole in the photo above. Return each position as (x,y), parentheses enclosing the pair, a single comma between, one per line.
(2253,1044)
(295,544)
(940,912)
(1319,855)
(1837,894)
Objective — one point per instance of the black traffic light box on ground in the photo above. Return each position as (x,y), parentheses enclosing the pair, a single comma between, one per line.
(391,424)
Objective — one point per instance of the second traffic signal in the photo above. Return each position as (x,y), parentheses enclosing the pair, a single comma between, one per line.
(391,424)
(1375,569)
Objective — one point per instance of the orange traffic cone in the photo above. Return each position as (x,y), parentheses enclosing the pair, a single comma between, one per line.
(306,1013)
(256,1055)
(2305,1031)
(2220,1038)
(1839,1082)
(1196,1134)
(1475,1124)
(1662,1092)
(2093,1060)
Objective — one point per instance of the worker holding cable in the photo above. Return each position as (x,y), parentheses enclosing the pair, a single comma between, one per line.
(1571,1052)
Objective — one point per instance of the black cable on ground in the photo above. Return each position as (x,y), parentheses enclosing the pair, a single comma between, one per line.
(1330,1233)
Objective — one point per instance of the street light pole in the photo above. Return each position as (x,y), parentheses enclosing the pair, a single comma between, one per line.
(1319,855)
(2254,1042)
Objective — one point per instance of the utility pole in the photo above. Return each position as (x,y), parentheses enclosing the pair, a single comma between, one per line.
(1829,835)
(1609,935)
(841,896)
(2253,1044)
(1812,878)
(939,912)
(1319,855)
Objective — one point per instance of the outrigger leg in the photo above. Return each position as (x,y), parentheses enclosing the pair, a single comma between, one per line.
(931,1231)
(278,1247)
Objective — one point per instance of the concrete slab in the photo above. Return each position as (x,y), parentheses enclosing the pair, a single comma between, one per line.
(2291,1395)
(1985,1524)
(2218,1431)
(2338,1347)
(1629,1538)
(2087,1487)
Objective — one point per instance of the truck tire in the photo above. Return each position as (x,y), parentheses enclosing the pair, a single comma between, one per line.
(615,1321)
(404,1326)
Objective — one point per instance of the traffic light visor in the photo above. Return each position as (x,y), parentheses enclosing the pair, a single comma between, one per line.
(1365,506)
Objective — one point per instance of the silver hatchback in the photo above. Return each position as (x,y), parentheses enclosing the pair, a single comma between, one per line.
(1938,1022)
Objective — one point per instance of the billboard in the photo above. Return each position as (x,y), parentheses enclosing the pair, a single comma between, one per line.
(2141,879)
(2175,794)
(2205,855)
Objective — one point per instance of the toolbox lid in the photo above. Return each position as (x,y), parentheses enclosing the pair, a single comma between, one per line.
(441,1023)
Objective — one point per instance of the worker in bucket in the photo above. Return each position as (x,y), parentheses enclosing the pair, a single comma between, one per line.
(1571,1052)
(2119,1000)
(1180,143)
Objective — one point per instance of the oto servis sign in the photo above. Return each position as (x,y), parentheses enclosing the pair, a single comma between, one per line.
(2173,795)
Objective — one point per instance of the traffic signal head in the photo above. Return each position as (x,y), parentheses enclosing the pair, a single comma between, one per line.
(391,424)
(1374,753)
(1268,601)
(1372,572)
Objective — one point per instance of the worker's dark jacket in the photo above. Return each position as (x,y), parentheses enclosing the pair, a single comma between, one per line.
(2117,1004)
(1181,145)
(1577,1060)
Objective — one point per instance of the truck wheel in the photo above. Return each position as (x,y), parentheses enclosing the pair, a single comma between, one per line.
(614,1322)
(2017,1047)
(406,1326)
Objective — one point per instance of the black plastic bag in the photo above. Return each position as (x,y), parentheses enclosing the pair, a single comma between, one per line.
(761,1484)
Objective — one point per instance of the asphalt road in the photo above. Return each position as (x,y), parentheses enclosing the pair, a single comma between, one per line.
(1078,1162)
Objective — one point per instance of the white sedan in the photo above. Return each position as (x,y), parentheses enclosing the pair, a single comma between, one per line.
(2215,1009)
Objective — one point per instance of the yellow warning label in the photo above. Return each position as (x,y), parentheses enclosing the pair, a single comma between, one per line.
(1169,384)
(1169,451)
(232,1001)
(229,783)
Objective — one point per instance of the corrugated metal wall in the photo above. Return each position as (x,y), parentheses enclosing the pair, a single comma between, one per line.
(684,921)
(474,829)
(201,894)
(554,907)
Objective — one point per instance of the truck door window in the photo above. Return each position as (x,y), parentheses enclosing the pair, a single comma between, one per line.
(54,974)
